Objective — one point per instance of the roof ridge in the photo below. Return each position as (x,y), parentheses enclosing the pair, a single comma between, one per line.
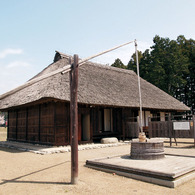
(109,67)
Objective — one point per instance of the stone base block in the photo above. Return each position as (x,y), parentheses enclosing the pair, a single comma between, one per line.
(109,140)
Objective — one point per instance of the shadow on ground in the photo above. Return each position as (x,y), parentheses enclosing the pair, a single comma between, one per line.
(16,179)
(11,150)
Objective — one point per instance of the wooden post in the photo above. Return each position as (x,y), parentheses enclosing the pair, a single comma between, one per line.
(16,125)
(39,127)
(123,124)
(74,120)
(138,127)
(8,121)
(149,128)
(55,118)
(26,124)
(170,130)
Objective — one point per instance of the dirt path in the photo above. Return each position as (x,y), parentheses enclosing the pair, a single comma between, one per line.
(28,173)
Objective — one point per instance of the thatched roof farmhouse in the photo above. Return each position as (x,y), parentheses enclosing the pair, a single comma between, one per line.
(107,97)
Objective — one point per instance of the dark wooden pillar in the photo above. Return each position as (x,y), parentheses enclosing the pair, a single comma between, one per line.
(170,133)
(8,125)
(123,124)
(39,127)
(26,123)
(55,119)
(74,120)
(16,124)
(91,112)
(149,128)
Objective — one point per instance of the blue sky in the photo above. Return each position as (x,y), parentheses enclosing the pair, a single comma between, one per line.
(31,31)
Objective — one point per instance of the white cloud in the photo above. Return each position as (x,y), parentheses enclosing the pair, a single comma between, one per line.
(9,51)
(14,74)
(123,53)
(17,64)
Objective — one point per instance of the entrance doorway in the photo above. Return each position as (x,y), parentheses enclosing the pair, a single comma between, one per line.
(105,120)
(85,127)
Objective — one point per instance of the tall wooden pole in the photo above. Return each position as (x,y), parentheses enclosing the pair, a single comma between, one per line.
(74,120)
(139,88)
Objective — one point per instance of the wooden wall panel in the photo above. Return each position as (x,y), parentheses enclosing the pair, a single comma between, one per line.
(21,125)
(130,124)
(33,124)
(12,125)
(47,123)
(62,123)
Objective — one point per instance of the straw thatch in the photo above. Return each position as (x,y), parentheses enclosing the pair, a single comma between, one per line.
(98,85)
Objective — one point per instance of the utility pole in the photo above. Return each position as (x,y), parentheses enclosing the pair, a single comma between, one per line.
(74,120)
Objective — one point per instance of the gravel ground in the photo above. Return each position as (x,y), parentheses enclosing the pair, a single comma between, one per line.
(23,172)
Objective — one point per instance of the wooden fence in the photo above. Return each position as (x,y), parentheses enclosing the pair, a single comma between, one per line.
(165,129)
(161,129)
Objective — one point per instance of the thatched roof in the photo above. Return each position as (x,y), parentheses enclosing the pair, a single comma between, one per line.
(98,85)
